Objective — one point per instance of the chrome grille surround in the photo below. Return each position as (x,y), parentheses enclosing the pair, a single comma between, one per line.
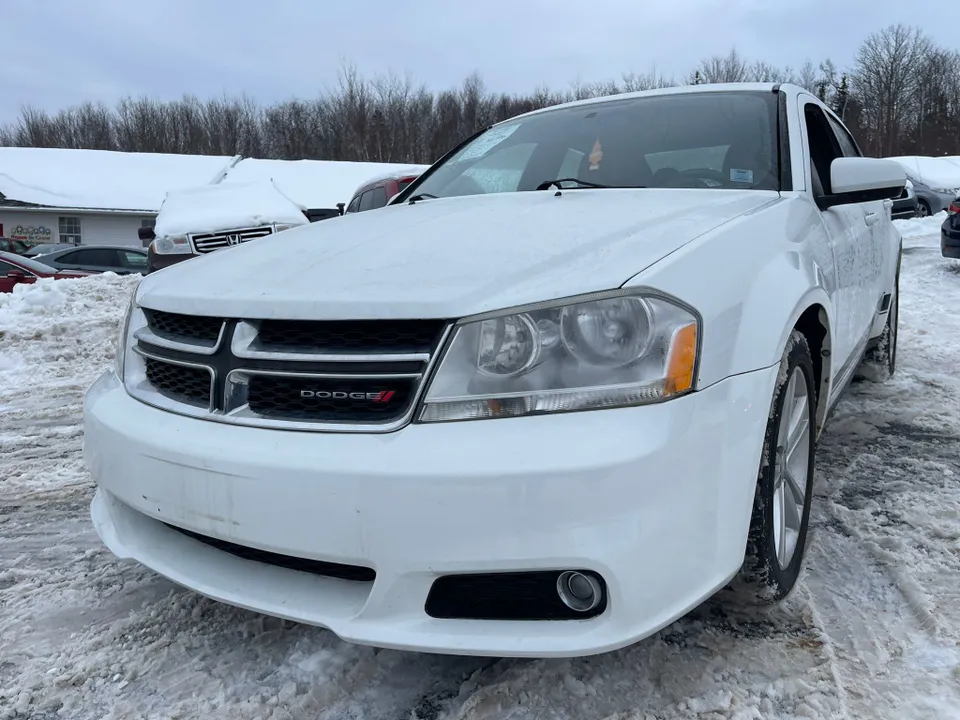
(237,358)
(208,242)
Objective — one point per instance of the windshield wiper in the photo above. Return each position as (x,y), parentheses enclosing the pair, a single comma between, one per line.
(582,183)
(421,196)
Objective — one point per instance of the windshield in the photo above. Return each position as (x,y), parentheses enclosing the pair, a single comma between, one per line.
(692,140)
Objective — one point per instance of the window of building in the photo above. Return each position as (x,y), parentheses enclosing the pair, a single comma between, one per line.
(148,222)
(70,230)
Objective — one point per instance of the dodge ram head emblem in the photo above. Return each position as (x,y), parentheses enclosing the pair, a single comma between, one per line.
(384,396)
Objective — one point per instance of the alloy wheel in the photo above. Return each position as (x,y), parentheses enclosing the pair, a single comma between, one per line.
(792,468)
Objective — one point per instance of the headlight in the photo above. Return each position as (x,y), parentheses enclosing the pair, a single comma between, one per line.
(175,245)
(280,227)
(603,350)
(944,191)
(122,337)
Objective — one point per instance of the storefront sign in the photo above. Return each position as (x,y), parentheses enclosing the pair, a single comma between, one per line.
(32,233)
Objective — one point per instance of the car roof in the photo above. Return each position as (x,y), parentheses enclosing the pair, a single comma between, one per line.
(101,247)
(678,90)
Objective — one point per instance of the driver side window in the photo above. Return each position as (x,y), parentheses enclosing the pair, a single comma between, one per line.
(824,149)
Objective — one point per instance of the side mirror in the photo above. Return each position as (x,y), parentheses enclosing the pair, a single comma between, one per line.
(860,179)
(16,275)
(340,207)
(146,233)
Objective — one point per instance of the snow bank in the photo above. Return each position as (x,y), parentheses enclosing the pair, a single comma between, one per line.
(63,328)
(927,228)
(226,207)
(936,172)
(100,179)
(313,183)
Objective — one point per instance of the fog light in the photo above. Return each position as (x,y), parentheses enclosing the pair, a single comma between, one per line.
(579,592)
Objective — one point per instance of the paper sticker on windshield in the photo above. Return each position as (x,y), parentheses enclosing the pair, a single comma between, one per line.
(596,156)
(486,142)
(741,176)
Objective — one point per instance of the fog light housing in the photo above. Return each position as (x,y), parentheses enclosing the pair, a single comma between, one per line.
(578,591)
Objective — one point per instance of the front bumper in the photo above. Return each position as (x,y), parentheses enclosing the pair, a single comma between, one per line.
(655,499)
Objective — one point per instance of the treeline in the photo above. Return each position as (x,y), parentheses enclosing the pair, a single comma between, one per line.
(901,97)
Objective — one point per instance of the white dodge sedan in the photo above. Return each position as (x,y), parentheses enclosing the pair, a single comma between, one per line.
(566,386)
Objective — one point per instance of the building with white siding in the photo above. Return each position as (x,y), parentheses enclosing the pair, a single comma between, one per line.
(94,197)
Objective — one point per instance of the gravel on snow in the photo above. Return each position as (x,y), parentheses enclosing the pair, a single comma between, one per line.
(872,632)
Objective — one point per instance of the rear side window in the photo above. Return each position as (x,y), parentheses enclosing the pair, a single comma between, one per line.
(404,184)
(366,201)
(379,197)
(133,259)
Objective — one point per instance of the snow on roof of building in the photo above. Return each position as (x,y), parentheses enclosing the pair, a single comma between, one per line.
(315,183)
(100,179)
(211,208)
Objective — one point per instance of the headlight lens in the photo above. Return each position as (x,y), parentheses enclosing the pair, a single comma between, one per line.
(121,349)
(604,350)
(175,245)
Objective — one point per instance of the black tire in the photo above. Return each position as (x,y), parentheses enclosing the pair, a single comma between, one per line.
(923,210)
(880,361)
(762,579)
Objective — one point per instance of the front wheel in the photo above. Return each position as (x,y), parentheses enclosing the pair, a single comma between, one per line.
(923,210)
(781,508)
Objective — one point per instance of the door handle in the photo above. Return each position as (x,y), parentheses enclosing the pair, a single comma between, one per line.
(872,218)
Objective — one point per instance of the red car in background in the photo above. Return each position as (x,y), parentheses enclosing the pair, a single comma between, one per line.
(377,193)
(16,270)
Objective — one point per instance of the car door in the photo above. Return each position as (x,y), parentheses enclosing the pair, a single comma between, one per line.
(848,233)
(7,279)
(872,255)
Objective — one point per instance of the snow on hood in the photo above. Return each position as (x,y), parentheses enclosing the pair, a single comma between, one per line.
(449,257)
(226,207)
(312,183)
(937,173)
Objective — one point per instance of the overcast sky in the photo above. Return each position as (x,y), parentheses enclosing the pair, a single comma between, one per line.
(60,52)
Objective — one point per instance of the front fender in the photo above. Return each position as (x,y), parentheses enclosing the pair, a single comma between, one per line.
(751,279)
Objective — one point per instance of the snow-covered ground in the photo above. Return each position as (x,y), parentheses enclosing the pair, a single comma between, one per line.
(873,631)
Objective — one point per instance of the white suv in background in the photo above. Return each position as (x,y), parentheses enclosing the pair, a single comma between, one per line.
(568,388)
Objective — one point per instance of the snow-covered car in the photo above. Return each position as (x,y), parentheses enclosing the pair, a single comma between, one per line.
(378,191)
(201,220)
(568,388)
(18,270)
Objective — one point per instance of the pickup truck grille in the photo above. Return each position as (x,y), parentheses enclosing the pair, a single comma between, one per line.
(338,376)
(208,242)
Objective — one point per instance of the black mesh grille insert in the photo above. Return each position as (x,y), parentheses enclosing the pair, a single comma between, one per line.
(352,336)
(503,596)
(184,327)
(186,384)
(357,573)
(330,399)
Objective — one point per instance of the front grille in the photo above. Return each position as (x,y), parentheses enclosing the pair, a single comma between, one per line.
(372,336)
(357,573)
(179,382)
(208,242)
(174,326)
(330,400)
(338,376)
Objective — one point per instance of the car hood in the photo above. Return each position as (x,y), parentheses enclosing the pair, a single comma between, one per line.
(446,258)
